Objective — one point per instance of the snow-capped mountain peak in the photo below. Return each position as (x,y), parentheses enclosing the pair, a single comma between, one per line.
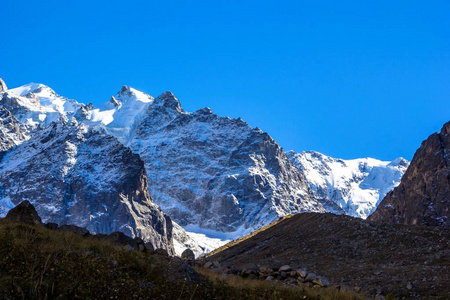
(37,104)
(357,186)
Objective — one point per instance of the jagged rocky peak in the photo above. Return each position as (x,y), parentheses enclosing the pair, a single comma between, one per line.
(168,100)
(114,101)
(3,86)
(128,93)
(83,113)
(216,173)
(204,111)
(423,195)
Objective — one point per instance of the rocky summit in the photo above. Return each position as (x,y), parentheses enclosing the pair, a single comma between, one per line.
(423,195)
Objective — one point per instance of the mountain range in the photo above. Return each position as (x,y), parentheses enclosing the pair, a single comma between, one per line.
(135,160)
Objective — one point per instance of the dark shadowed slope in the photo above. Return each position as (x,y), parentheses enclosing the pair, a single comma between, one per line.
(423,196)
(354,252)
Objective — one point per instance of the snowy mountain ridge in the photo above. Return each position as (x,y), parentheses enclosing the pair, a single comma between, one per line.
(215,176)
(357,186)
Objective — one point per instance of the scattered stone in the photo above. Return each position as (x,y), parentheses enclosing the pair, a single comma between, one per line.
(285,268)
(291,280)
(302,272)
(216,264)
(322,281)
(276,264)
(310,277)
(409,286)
(208,265)
(270,278)
(234,270)
(253,267)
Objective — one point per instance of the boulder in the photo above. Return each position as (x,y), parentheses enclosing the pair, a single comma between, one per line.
(285,268)
(310,277)
(162,252)
(320,280)
(24,213)
(188,255)
(302,273)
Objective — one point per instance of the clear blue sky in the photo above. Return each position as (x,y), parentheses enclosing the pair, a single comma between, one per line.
(346,78)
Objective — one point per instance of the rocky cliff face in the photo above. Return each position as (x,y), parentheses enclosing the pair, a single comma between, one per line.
(206,171)
(355,186)
(74,173)
(423,196)
(12,131)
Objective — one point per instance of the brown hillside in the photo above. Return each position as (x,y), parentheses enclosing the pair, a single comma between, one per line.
(391,259)
(423,195)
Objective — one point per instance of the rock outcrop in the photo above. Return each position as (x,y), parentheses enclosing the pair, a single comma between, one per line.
(12,131)
(3,86)
(423,196)
(24,213)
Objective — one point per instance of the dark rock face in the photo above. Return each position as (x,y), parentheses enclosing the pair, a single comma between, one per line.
(3,86)
(76,174)
(423,196)
(24,213)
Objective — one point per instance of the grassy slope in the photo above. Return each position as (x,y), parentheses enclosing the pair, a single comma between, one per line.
(38,263)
